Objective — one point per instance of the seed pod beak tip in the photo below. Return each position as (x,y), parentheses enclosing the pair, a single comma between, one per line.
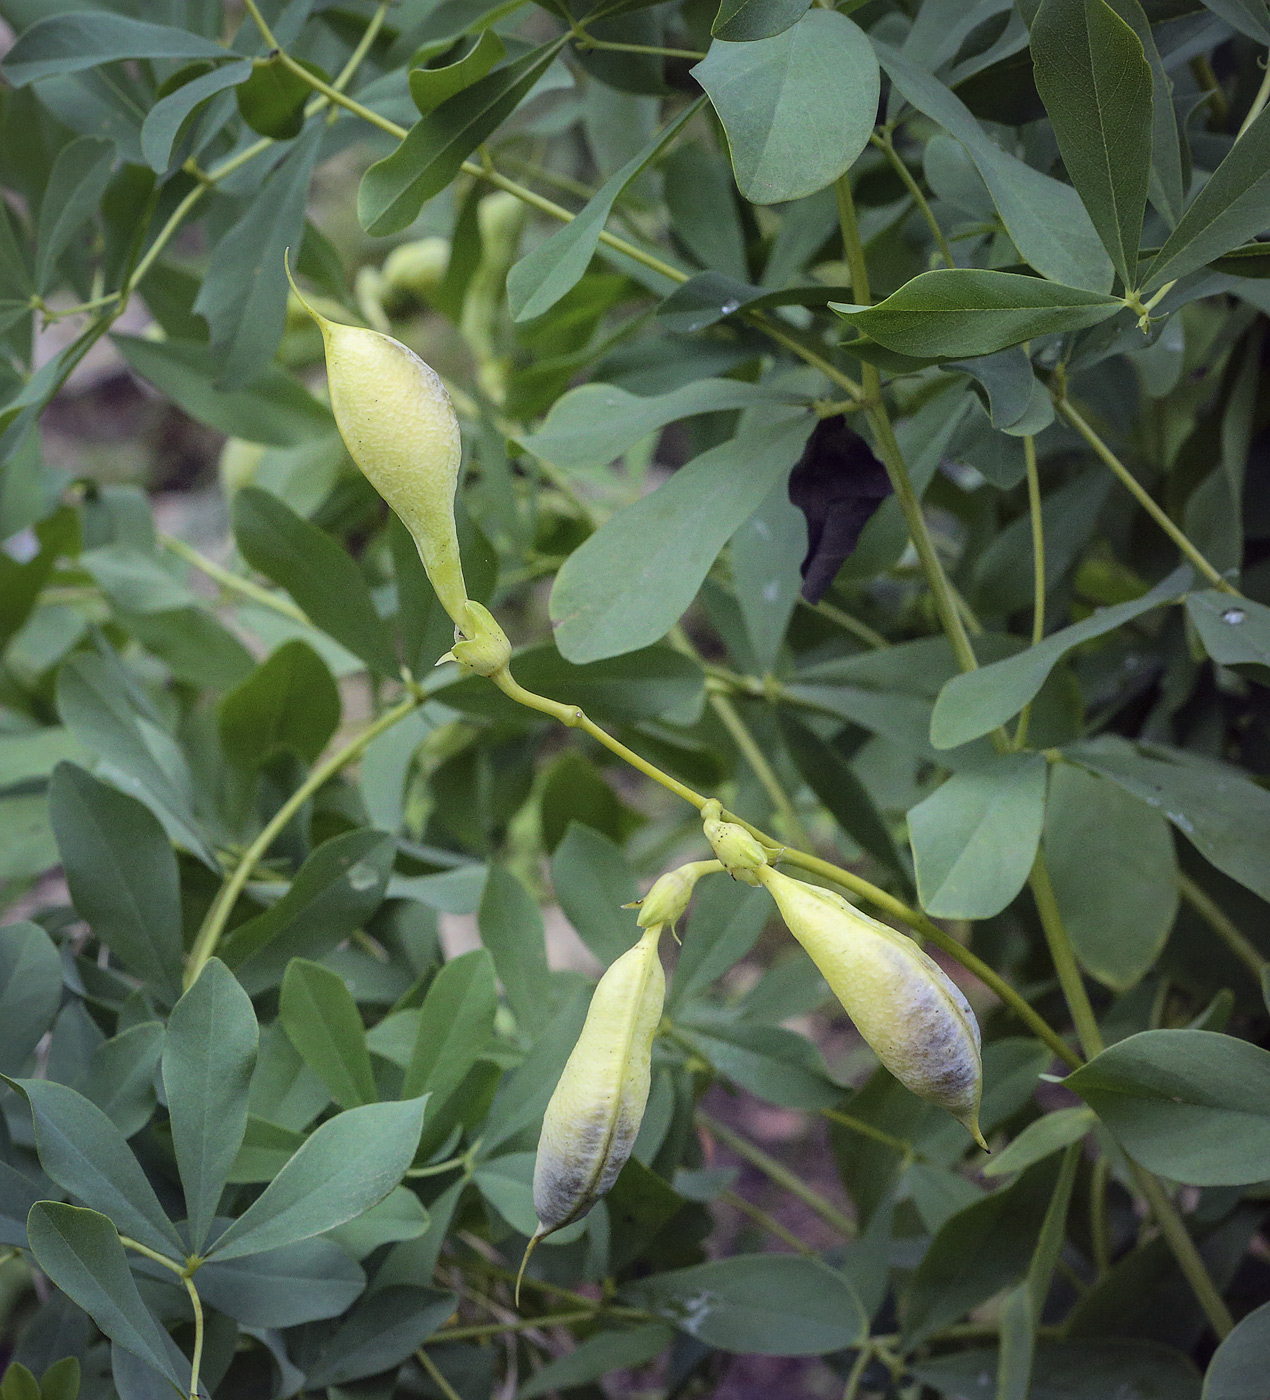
(538,1234)
(299,295)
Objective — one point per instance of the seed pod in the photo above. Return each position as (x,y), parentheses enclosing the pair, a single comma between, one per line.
(666,901)
(416,270)
(400,428)
(909,1010)
(594,1115)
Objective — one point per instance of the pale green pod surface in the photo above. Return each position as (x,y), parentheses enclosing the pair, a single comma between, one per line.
(594,1115)
(905,1006)
(400,428)
(666,901)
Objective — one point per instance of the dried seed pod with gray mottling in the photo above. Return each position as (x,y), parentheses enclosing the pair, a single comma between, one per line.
(905,1006)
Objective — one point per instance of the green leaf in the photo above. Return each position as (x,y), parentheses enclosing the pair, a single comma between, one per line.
(286,1287)
(975,838)
(592,881)
(455,1026)
(759,1305)
(765,555)
(73,195)
(600,1355)
(511,928)
(166,119)
(1092,1368)
(322,1022)
(61,1380)
(798,108)
(70,43)
(350,1162)
(1235,631)
(1233,207)
(335,891)
(399,1216)
(120,1076)
(771,1062)
(711,297)
(743,21)
(136,580)
(632,580)
(983,1248)
(208,1059)
(80,1252)
(318,574)
(834,782)
(83,1151)
(701,203)
(288,702)
(556,265)
(274,408)
(381,1332)
(1038,1140)
(1114,872)
(98,705)
(955,312)
(1190,1105)
(1096,84)
(30,991)
(590,426)
(243,293)
(122,874)
(1238,1368)
(272,99)
(430,87)
(1223,815)
(394,189)
(723,925)
(976,703)
(1045,218)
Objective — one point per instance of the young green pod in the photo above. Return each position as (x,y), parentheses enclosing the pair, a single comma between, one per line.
(594,1115)
(400,428)
(905,1006)
(738,852)
(666,901)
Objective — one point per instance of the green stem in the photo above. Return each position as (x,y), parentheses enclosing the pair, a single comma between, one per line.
(448,1392)
(886,145)
(1141,495)
(485,1330)
(765,1221)
(856,1374)
(889,448)
(152,1254)
(1038,568)
(779,1173)
(1099,1226)
(1222,925)
(858,1125)
(1258,103)
(196,1361)
(230,581)
(722,705)
(1064,959)
(586,43)
(859,629)
(1185,1251)
(218,915)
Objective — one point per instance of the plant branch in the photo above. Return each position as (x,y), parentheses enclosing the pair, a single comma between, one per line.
(218,914)
(1141,494)
(779,1173)
(1185,1251)
(230,581)
(1222,925)
(448,1392)
(196,1361)
(1038,568)
(765,1221)
(886,144)
(1064,958)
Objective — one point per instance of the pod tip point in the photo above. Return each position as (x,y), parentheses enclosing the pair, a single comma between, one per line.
(529,1249)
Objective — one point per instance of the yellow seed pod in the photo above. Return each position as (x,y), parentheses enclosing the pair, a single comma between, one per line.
(594,1115)
(400,428)
(417,269)
(909,1010)
(738,851)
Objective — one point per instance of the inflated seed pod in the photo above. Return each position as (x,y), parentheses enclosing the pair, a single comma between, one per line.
(400,428)
(594,1115)
(902,1002)
(416,270)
